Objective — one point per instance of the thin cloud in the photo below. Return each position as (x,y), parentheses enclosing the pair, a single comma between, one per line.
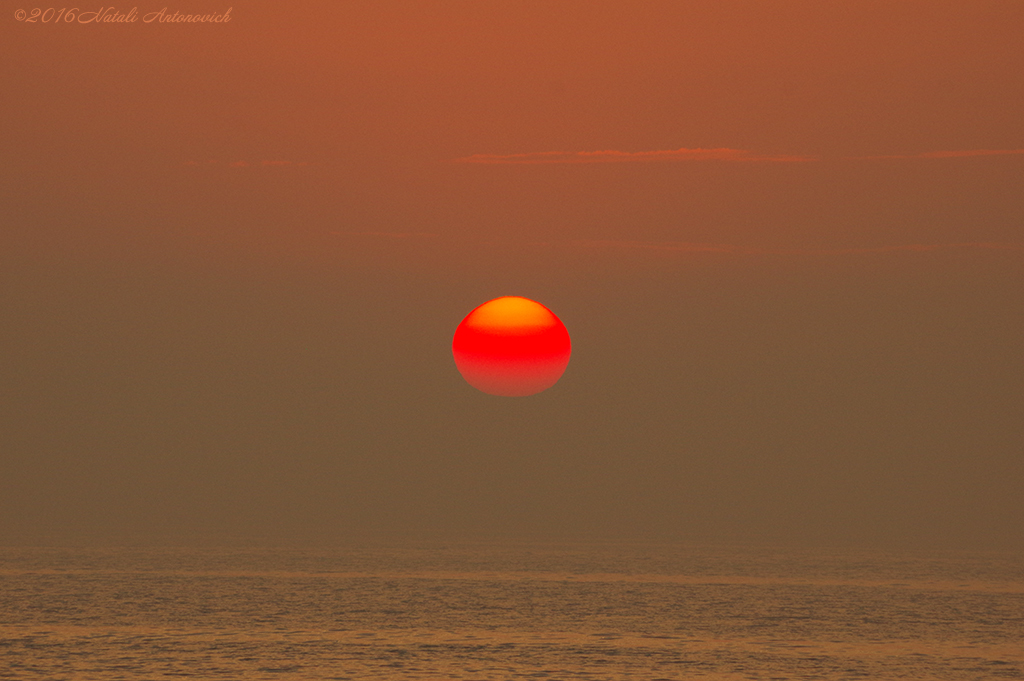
(247,164)
(973,152)
(677,246)
(390,235)
(612,156)
(688,247)
(963,153)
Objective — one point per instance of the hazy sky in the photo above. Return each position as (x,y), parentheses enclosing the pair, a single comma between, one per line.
(787,239)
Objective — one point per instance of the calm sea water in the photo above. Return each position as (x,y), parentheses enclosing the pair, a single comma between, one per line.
(513,612)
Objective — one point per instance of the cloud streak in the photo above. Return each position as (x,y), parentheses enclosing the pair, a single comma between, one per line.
(690,247)
(390,235)
(964,153)
(247,164)
(698,154)
(612,156)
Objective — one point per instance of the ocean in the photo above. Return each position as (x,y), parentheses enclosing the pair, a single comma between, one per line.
(516,611)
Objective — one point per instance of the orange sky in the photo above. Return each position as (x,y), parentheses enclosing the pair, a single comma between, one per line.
(786,239)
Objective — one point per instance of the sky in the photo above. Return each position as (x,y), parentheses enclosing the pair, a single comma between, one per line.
(786,238)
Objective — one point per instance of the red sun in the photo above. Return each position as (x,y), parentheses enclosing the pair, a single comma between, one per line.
(511,346)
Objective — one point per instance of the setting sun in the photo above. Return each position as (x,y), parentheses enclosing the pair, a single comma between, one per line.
(511,346)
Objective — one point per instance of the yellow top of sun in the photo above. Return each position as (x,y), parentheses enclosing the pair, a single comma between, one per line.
(510,312)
